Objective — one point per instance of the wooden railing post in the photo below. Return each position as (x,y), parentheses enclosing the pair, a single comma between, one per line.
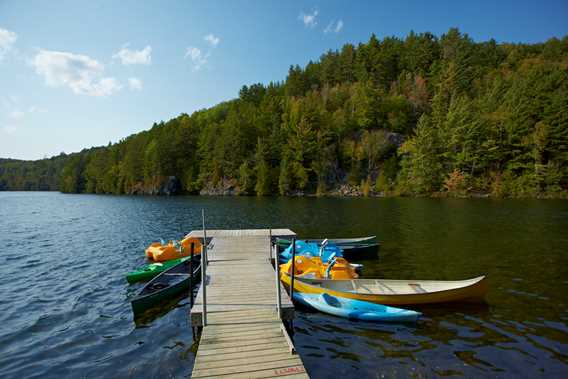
(191,251)
(269,245)
(293,268)
(204,269)
(278,293)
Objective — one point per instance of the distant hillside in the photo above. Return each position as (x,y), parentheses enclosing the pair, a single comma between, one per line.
(415,116)
(40,175)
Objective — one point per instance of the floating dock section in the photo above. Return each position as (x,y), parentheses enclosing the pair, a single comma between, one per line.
(240,311)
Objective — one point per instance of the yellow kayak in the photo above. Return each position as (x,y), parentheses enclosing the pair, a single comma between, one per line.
(393,292)
(158,252)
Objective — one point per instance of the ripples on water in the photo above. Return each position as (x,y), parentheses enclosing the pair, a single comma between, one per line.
(65,308)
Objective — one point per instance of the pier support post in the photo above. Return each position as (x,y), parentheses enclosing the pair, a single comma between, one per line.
(293,268)
(204,269)
(278,293)
(191,251)
(269,245)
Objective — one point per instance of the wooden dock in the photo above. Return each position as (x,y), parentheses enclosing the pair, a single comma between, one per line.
(243,336)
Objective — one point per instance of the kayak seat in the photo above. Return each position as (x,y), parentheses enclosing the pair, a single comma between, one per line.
(331,300)
(159,286)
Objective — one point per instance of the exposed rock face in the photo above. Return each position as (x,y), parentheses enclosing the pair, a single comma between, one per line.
(346,190)
(166,186)
(171,186)
(225,188)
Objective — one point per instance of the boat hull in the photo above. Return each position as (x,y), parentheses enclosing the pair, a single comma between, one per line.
(140,305)
(474,292)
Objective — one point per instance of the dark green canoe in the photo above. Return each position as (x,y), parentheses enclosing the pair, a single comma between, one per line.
(169,283)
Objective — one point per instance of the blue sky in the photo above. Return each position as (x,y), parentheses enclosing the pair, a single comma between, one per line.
(76,74)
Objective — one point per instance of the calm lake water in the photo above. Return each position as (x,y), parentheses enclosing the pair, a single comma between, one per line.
(65,305)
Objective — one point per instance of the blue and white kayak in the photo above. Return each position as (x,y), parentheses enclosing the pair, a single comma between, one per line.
(310,249)
(355,309)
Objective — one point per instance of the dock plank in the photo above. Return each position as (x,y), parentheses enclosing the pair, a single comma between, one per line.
(252,349)
(242,354)
(249,367)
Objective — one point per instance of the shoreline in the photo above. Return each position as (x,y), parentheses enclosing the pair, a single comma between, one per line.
(331,194)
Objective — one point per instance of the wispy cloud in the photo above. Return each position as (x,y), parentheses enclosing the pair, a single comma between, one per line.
(82,74)
(7,40)
(135,84)
(212,40)
(129,57)
(333,27)
(309,19)
(196,56)
(13,115)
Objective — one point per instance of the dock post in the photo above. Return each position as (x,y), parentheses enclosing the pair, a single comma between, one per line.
(191,251)
(204,269)
(293,268)
(269,245)
(278,294)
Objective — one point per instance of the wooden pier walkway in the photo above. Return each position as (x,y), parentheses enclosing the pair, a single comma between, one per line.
(243,336)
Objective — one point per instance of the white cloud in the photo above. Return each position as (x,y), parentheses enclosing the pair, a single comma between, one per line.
(334,27)
(12,117)
(105,87)
(135,84)
(197,57)
(129,57)
(7,40)
(212,40)
(309,19)
(82,74)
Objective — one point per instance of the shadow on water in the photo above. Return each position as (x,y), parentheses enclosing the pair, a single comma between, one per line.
(144,319)
(481,309)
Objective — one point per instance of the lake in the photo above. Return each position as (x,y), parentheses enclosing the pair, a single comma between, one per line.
(65,305)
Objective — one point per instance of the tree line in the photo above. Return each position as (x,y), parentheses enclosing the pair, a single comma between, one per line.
(415,116)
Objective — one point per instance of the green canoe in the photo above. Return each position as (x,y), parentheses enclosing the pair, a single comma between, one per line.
(166,285)
(149,271)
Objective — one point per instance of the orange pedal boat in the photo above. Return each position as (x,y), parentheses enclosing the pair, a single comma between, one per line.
(159,252)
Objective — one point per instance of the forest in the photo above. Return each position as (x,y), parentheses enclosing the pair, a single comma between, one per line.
(419,116)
